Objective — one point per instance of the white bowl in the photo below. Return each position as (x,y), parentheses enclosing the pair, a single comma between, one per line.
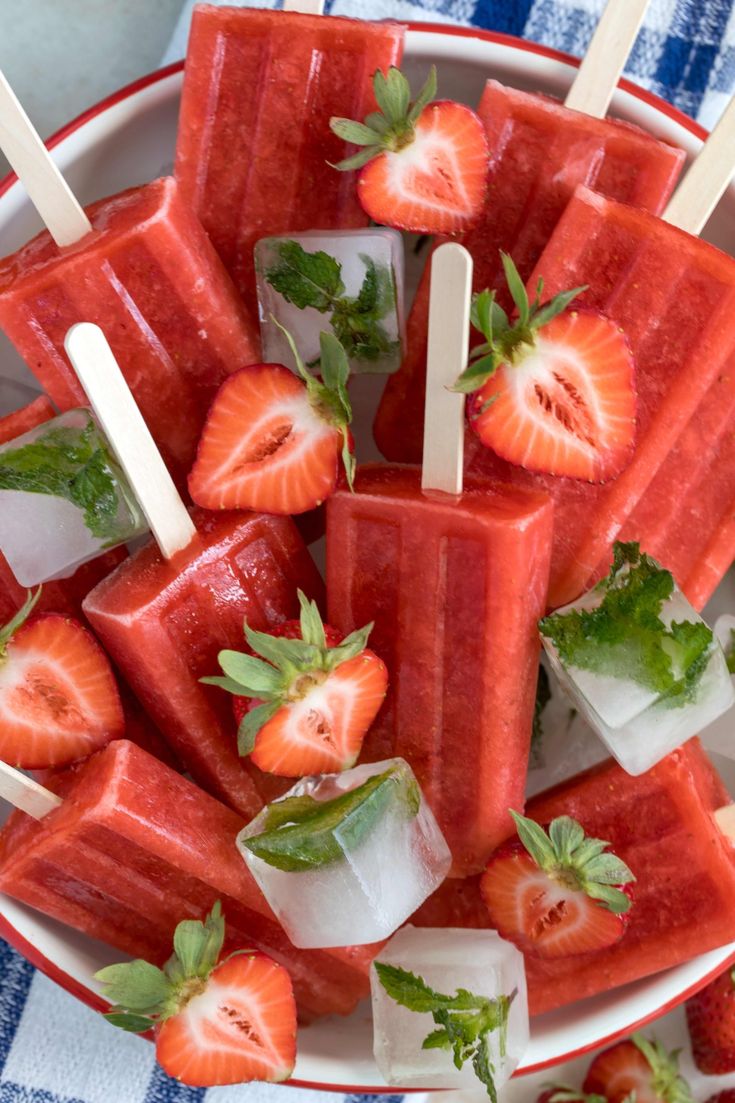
(129,139)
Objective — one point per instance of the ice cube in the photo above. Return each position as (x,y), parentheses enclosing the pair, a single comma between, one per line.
(386,856)
(48,532)
(378,348)
(447,959)
(637,724)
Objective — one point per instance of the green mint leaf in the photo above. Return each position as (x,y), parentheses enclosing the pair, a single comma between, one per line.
(135,986)
(254,677)
(306,279)
(465,1020)
(290,810)
(8,630)
(625,637)
(74,464)
(320,838)
(125,1020)
(251,723)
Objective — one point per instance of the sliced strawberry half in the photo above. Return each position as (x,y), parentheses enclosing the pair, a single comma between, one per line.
(552,391)
(312,695)
(711,1022)
(59,700)
(556,894)
(424,165)
(637,1071)
(215,1024)
(272,441)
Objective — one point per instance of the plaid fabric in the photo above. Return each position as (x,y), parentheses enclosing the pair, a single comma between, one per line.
(52,1048)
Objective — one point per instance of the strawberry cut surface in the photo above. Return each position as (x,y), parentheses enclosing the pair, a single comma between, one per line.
(541,915)
(437,183)
(241,1027)
(620,1070)
(567,405)
(58,696)
(264,447)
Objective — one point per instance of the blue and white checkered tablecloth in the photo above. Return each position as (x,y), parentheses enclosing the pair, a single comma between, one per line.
(52,1048)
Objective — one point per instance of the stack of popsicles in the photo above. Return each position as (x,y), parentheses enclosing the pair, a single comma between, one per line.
(454,562)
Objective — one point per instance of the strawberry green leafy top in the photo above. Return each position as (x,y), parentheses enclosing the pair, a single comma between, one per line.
(581,863)
(666,1081)
(286,669)
(390,129)
(507,340)
(464,1021)
(144,995)
(625,637)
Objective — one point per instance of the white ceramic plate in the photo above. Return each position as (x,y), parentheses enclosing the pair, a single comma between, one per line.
(129,139)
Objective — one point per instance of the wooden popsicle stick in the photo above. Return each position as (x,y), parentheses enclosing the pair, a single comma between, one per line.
(725,820)
(448,349)
(48,190)
(305,7)
(129,437)
(706,180)
(605,59)
(25,793)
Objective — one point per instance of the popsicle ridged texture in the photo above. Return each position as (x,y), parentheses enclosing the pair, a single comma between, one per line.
(539,152)
(164,623)
(149,276)
(260,88)
(455,587)
(135,848)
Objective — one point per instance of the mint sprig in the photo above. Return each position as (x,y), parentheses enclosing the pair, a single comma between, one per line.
(624,637)
(464,1021)
(329,398)
(508,341)
(303,834)
(70,463)
(315,280)
(576,861)
(282,670)
(390,129)
(667,1083)
(144,995)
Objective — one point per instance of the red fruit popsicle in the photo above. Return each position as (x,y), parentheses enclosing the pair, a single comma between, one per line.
(168,610)
(64,595)
(454,582)
(662,824)
(622,253)
(132,849)
(539,152)
(254,146)
(146,272)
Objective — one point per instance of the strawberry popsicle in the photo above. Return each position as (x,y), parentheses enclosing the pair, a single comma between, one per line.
(132,848)
(621,253)
(254,146)
(539,152)
(662,824)
(454,580)
(147,272)
(167,611)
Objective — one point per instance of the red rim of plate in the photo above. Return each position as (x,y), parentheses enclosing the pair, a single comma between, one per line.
(8,932)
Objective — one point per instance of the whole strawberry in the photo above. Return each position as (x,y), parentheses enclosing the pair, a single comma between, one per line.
(711,1022)
(215,1022)
(314,695)
(638,1071)
(275,441)
(59,700)
(723,1097)
(551,389)
(423,165)
(556,893)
